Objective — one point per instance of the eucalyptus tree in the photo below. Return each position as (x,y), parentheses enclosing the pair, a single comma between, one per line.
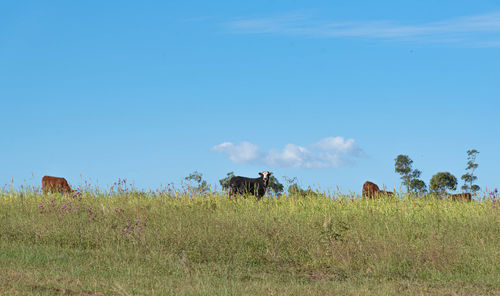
(469,177)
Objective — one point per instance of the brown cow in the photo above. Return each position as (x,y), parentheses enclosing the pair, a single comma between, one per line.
(55,184)
(371,190)
(461,196)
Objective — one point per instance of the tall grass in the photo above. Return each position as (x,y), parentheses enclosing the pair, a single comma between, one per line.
(181,243)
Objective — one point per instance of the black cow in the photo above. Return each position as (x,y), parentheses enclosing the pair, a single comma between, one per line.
(254,186)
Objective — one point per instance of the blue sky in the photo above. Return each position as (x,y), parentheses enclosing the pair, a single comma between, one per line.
(328,92)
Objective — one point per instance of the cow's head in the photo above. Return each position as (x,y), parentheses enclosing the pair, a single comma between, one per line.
(265,176)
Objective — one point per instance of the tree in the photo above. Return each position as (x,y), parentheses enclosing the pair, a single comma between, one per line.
(197,184)
(295,190)
(442,181)
(469,177)
(224,182)
(418,186)
(274,184)
(403,166)
(291,184)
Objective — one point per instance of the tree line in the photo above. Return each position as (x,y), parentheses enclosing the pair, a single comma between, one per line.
(439,183)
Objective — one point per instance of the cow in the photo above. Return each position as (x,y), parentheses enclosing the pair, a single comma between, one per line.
(461,196)
(371,190)
(254,186)
(55,184)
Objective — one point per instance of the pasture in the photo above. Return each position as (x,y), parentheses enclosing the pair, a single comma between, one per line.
(132,243)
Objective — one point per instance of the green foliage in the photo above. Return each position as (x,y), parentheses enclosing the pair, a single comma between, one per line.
(196,182)
(224,182)
(442,181)
(469,177)
(475,188)
(418,186)
(275,185)
(403,166)
(295,190)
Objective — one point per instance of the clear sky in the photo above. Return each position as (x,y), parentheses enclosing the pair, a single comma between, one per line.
(329,92)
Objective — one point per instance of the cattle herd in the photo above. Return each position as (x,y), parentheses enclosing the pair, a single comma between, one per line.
(242,185)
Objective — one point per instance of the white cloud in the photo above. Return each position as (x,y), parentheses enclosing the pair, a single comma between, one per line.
(245,152)
(339,144)
(476,30)
(328,152)
(294,156)
(291,156)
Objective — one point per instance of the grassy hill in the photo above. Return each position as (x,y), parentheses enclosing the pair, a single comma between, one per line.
(193,244)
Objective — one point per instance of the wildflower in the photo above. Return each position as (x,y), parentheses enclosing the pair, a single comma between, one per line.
(494,199)
(91,214)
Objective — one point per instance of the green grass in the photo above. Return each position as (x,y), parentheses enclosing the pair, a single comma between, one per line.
(129,244)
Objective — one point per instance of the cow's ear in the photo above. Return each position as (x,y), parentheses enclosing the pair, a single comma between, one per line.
(270,174)
(261,174)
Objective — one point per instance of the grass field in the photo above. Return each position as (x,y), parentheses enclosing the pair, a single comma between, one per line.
(183,244)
